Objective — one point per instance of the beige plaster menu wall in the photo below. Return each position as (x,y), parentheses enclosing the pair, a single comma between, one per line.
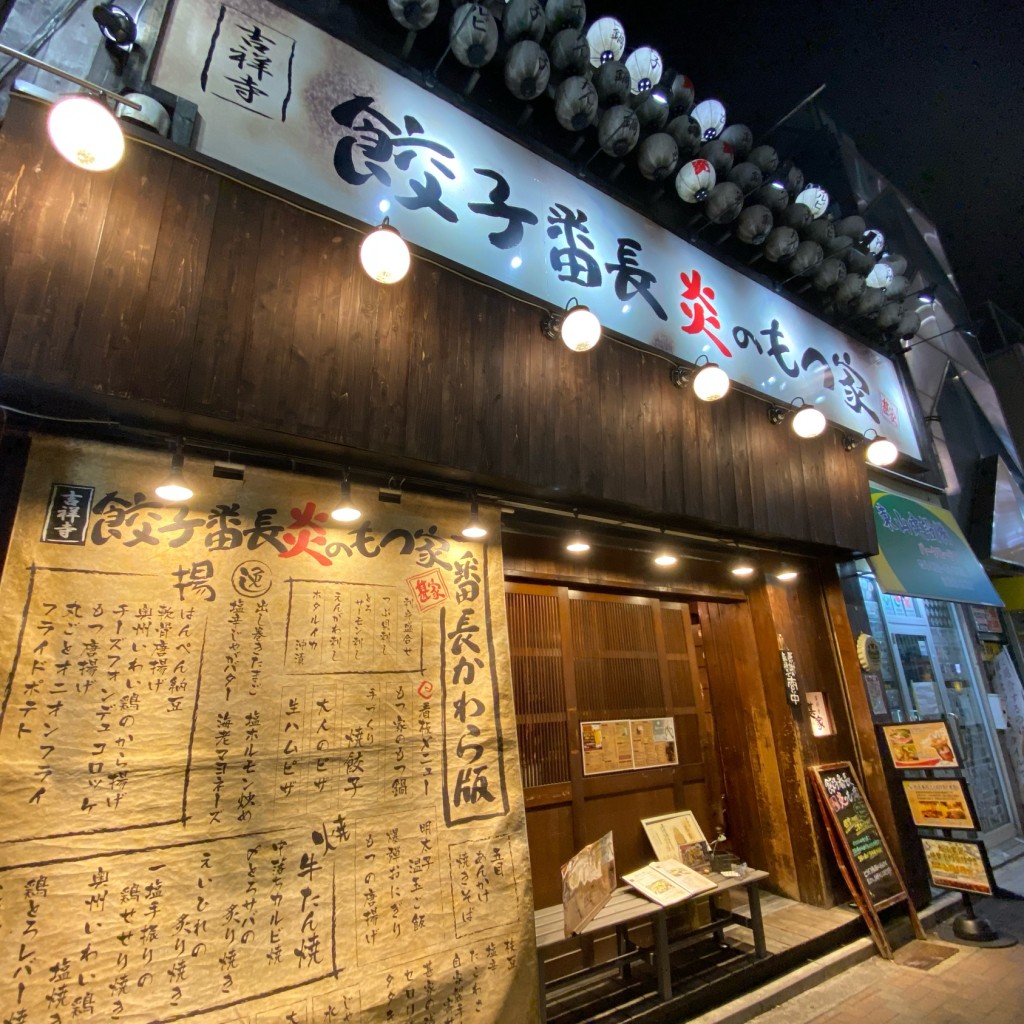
(256,766)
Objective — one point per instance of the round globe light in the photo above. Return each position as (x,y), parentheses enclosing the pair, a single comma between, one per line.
(384,255)
(881,452)
(86,133)
(711,383)
(581,330)
(809,422)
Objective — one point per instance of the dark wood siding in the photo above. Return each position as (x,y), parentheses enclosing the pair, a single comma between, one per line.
(169,285)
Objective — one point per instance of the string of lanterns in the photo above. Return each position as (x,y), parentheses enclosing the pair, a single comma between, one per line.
(638,106)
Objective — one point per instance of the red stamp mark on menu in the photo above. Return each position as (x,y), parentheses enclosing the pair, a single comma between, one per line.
(429,589)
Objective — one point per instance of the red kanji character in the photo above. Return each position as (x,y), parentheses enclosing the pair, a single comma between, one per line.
(700,309)
(307,522)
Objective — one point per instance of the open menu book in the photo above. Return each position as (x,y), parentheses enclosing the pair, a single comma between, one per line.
(668,882)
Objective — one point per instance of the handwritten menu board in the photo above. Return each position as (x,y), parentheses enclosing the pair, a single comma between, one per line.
(855,827)
(257,766)
(628,744)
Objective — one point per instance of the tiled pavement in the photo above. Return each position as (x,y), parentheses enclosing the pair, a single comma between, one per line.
(974,986)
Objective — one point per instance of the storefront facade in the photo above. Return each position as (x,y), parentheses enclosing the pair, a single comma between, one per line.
(179,298)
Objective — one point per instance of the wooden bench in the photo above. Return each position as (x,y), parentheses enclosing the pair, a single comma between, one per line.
(626,909)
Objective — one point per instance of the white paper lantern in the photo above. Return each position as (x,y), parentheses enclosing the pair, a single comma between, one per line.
(815,198)
(882,452)
(809,422)
(524,19)
(881,276)
(710,115)
(473,34)
(618,131)
(873,241)
(527,69)
(695,180)
(607,41)
(413,14)
(384,254)
(645,67)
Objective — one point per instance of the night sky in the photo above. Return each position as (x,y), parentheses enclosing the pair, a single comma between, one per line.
(932,94)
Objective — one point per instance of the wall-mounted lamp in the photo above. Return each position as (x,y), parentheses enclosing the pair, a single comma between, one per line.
(116,25)
(710,382)
(346,512)
(578,327)
(665,557)
(880,450)
(577,543)
(82,129)
(474,529)
(174,487)
(808,421)
(743,569)
(384,254)
(392,493)
(786,575)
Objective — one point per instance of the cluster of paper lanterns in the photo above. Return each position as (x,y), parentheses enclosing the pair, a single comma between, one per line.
(639,108)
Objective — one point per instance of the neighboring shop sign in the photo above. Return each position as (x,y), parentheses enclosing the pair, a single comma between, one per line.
(868,653)
(628,744)
(922,553)
(916,745)
(290,104)
(257,764)
(819,714)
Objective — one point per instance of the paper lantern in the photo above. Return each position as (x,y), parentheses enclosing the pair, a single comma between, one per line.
(695,180)
(830,273)
(747,176)
(652,110)
(889,315)
(724,203)
(880,277)
(618,131)
(680,96)
(569,51)
(909,324)
(781,244)
(686,132)
(853,226)
(710,115)
(720,155)
(821,231)
(576,103)
(524,19)
(413,14)
(85,133)
(754,225)
(645,67)
(766,158)
(815,198)
(611,80)
(849,289)
(607,41)
(838,245)
(527,70)
(473,34)
(796,214)
(869,301)
(873,241)
(566,14)
(777,200)
(897,286)
(657,156)
(741,138)
(808,256)
(860,262)
(898,263)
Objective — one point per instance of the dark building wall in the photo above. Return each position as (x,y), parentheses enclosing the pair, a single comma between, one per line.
(176,288)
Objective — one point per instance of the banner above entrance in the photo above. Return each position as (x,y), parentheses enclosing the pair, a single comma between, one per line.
(290,104)
(922,553)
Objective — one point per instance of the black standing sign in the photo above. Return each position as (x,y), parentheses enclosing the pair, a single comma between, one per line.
(863,856)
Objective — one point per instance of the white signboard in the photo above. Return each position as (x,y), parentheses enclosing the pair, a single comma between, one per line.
(290,104)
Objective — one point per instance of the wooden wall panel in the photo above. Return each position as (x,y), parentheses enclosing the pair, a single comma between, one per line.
(168,284)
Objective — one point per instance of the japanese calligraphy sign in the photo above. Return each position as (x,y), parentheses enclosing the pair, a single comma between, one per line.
(256,766)
(292,105)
